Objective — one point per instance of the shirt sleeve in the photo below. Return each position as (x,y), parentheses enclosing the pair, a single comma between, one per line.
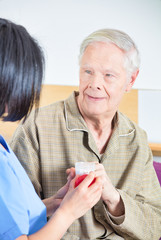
(14,216)
(142,213)
(117,220)
(25,145)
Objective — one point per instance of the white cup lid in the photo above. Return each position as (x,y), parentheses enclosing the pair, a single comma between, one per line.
(84,167)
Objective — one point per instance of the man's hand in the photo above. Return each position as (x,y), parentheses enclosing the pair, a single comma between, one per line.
(110,195)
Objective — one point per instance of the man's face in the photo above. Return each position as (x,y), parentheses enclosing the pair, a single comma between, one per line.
(103,80)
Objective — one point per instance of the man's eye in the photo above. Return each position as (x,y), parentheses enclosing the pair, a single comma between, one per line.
(88,71)
(108,75)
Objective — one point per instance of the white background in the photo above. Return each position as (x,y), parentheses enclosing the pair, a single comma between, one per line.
(61,25)
(150,113)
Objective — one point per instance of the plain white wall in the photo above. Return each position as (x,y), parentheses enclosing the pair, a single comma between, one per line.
(150,113)
(61,25)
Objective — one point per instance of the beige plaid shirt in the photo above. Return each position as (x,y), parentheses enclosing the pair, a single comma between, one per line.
(58,137)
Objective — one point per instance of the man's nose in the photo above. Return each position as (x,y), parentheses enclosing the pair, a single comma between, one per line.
(96,82)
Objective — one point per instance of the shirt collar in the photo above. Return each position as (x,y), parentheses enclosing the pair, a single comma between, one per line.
(4,144)
(125,126)
(74,120)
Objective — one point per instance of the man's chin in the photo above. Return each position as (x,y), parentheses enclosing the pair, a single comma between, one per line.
(94,113)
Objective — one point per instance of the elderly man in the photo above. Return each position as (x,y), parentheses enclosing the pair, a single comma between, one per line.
(88,127)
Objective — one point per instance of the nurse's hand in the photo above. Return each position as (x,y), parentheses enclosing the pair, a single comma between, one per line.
(54,202)
(79,200)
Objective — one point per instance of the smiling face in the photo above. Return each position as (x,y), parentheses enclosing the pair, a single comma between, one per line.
(103,80)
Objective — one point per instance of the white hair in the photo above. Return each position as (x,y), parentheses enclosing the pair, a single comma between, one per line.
(121,40)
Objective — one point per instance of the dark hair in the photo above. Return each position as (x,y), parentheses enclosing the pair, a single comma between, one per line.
(21,71)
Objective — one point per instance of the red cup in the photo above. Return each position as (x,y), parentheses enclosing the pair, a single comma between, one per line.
(81,178)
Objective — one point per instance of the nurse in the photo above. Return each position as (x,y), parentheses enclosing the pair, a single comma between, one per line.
(22,214)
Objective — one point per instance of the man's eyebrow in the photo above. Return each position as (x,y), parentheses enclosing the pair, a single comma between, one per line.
(111,71)
(106,70)
(85,65)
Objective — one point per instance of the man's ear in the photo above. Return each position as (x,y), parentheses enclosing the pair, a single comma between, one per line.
(132,80)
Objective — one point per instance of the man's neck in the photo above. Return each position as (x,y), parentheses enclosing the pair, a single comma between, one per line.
(101,130)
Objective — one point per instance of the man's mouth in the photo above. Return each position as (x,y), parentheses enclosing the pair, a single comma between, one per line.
(95,98)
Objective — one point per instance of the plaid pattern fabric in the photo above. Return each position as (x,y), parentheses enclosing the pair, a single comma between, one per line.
(57,137)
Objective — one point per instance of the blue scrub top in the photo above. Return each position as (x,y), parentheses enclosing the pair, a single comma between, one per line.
(21,210)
